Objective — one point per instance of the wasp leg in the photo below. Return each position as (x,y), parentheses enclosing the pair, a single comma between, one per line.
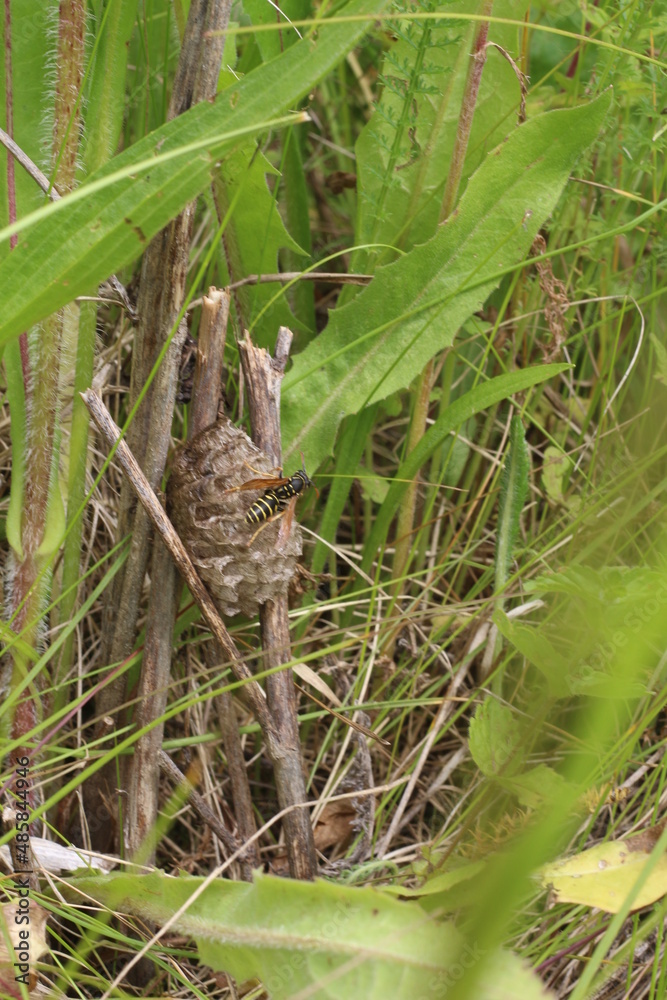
(264,524)
(286,525)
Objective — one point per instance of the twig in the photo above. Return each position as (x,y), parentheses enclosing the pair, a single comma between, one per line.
(286,276)
(209,361)
(162,524)
(40,178)
(263,375)
(203,412)
(225,836)
(161,295)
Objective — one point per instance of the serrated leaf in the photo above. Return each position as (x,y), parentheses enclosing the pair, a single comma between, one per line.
(535,646)
(401,150)
(380,341)
(333,942)
(535,786)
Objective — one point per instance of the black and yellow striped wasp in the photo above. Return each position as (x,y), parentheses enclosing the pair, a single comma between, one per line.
(279,498)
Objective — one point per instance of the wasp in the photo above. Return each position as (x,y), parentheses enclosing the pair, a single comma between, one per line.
(279,497)
(276,499)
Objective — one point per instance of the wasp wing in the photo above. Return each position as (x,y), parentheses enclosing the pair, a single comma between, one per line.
(266,483)
(286,521)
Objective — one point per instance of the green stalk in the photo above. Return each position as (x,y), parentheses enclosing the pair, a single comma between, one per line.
(38,511)
(106,106)
(420,412)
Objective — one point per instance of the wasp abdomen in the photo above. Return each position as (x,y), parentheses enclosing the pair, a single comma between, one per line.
(275,500)
(265,507)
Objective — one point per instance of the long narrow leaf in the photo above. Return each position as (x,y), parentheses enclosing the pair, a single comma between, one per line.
(513,491)
(74,247)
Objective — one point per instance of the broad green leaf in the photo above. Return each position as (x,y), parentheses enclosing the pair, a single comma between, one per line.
(604,875)
(495,742)
(332,942)
(609,623)
(513,492)
(477,399)
(576,676)
(80,241)
(495,739)
(538,650)
(536,786)
(380,341)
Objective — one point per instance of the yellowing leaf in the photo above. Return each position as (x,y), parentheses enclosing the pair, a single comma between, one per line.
(604,875)
(22,943)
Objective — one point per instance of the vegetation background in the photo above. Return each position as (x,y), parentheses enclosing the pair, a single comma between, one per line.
(483,412)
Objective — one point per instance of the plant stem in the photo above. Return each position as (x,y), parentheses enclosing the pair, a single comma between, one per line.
(420,413)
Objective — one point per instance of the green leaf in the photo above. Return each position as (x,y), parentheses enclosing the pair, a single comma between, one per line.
(513,492)
(660,359)
(105,104)
(555,468)
(536,786)
(535,646)
(73,245)
(254,237)
(437,882)
(401,152)
(413,308)
(495,739)
(31,47)
(271,43)
(332,942)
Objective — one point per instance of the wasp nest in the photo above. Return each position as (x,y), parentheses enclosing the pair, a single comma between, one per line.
(240,572)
